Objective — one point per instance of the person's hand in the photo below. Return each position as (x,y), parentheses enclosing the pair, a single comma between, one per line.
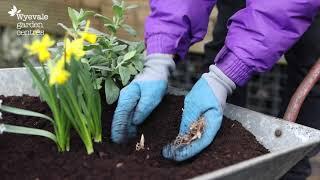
(207,98)
(141,96)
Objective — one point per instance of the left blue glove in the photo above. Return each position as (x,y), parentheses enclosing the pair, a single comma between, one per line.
(207,98)
(141,96)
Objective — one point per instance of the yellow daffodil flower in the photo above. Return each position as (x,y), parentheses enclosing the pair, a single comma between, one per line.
(40,47)
(58,74)
(90,37)
(74,48)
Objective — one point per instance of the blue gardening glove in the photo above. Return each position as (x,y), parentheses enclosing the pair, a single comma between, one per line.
(141,96)
(207,98)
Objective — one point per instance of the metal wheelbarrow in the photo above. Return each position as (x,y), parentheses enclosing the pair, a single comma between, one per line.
(289,145)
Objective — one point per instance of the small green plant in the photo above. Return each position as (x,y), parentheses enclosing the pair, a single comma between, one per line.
(114,61)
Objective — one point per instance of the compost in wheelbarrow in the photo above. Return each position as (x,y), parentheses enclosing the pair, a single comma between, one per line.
(35,157)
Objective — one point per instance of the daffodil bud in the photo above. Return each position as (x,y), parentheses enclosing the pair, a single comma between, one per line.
(2,128)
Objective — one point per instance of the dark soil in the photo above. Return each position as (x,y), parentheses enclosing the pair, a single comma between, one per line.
(30,157)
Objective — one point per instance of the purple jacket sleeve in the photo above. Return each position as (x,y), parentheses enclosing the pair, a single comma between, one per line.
(260,33)
(174,25)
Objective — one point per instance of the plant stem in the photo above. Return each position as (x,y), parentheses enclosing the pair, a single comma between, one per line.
(98,138)
(83,132)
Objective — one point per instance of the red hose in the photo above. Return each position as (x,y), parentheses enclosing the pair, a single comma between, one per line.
(301,93)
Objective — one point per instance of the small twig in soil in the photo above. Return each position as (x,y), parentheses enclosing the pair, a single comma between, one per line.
(120,164)
(196,130)
(140,145)
(232,125)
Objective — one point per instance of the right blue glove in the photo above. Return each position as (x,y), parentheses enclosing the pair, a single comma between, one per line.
(207,98)
(141,96)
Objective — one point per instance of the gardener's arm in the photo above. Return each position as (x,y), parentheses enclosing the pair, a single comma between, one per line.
(175,25)
(258,35)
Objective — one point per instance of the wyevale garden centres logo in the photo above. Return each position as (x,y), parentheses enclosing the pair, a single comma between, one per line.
(28,24)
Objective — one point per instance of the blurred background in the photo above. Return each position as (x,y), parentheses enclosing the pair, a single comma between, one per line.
(263,91)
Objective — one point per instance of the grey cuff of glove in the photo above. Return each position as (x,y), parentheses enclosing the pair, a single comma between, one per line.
(157,67)
(161,60)
(220,84)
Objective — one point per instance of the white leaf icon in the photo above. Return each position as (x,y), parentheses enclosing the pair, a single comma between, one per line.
(13,11)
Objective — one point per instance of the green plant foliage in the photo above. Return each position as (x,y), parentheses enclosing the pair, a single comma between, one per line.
(111,58)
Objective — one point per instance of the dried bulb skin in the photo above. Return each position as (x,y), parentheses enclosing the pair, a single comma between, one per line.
(196,130)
